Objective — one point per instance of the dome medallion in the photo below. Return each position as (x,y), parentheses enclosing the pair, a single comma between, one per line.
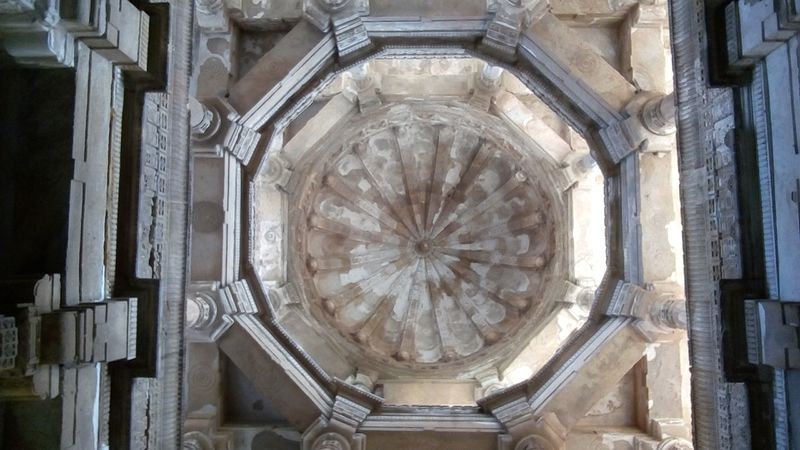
(426,238)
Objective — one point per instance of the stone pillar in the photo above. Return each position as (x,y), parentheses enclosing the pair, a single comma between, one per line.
(487,84)
(203,120)
(659,316)
(201,311)
(658,115)
(211,16)
(651,122)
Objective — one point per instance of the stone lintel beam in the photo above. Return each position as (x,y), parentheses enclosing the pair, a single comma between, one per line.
(511,17)
(663,391)
(275,372)
(582,60)
(659,316)
(513,111)
(645,60)
(552,406)
(285,69)
(596,369)
(336,111)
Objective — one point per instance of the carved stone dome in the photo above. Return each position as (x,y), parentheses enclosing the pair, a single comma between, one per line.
(424,236)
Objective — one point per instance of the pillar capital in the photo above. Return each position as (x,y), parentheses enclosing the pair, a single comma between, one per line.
(651,121)
(204,120)
(487,84)
(511,17)
(344,18)
(365,86)
(658,315)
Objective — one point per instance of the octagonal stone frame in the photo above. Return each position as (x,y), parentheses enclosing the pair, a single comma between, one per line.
(284,98)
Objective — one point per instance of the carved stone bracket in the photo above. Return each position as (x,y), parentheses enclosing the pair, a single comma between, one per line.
(338,432)
(489,382)
(344,16)
(50,339)
(772,333)
(659,316)
(503,32)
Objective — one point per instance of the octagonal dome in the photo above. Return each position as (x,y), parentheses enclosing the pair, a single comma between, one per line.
(424,235)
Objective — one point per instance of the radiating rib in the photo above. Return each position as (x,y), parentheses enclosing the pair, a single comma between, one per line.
(474,314)
(494,230)
(369,208)
(495,258)
(329,226)
(437,133)
(354,290)
(414,197)
(381,311)
(407,343)
(441,323)
(338,262)
(389,202)
(492,289)
(444,162)
(456,195)
(448,226)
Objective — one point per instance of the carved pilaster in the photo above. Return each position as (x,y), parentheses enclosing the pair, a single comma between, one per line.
(503,32)
(365,87)
(487,84)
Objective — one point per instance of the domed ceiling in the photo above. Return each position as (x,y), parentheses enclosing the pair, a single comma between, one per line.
(424,235)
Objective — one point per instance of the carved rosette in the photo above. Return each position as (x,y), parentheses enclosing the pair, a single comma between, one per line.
(424,241)
(534,442)
(673,443)
(331,441)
